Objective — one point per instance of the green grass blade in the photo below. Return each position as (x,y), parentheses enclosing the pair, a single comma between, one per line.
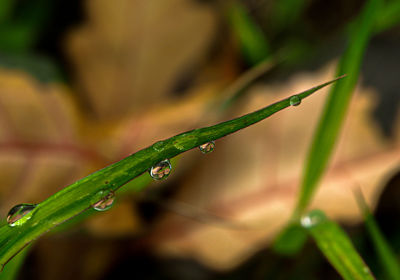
(388,259)
(335,108)
(252,40)
(79,196)
(389,16)
(336,246)
(286,13)
(11,271)
(291,240)
(240,86)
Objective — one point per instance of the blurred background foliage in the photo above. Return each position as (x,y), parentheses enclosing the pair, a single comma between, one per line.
(85,83)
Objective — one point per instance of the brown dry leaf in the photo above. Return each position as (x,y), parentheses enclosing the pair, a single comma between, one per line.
(139,131)
(46,144)
(120,220)
(86,257)
(130,53)
(39,140)
(253,176)
(161,121)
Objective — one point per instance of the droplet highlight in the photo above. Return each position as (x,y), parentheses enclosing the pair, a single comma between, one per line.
(366,270)
(312,219)
(103,200)
(161,170)
(207,147)
(295,100)
(20,213)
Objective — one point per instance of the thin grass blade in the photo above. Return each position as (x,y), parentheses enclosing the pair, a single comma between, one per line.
(336,246)
(286,13)
(291,240)
(12,270)
(389,262)
(389,16)
(254,44)
(336,106)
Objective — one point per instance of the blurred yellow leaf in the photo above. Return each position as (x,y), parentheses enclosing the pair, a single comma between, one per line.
(252,177)
(39,140)
(130,53)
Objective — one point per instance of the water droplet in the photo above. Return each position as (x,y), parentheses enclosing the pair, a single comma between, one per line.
(366,270)
(295,100)
(103,200)
(185,142)
(161,170)
(159,146)
(312,218)
(207,147)
(20,213)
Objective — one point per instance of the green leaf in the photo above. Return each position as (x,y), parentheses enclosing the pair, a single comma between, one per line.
(336,246)
(336,106)
(386,256)
(253,42)
(79,196)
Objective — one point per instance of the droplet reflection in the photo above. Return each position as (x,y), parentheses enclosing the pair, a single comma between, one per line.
(104,200)
(20,213)
(295,100)
(207,147)
(161,170)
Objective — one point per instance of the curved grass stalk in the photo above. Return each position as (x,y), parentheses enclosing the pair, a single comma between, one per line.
(78,197)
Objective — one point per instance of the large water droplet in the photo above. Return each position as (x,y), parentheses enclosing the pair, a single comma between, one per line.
(20,213)
(295,100)
(103,200)
(313,218)
(161,170)
(207,147)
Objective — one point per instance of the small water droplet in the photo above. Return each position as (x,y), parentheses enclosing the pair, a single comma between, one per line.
(312,218)
(366,270)
(295,100)
(159,146)
(161,170)
(207,147)
(20,213)
(185,142)
(103,200)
